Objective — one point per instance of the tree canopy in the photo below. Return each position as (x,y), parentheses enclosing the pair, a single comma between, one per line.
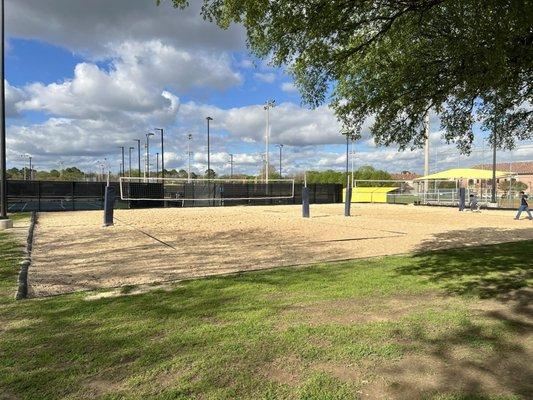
(365,172)
(395,60)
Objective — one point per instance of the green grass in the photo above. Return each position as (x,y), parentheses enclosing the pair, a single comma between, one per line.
(331,331)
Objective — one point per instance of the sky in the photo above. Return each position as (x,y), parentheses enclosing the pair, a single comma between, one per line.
(86,77)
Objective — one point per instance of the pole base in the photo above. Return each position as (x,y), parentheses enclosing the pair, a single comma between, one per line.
(6,224)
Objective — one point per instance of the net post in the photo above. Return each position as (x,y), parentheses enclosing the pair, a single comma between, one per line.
(109,202)
(348,198)
(305,202)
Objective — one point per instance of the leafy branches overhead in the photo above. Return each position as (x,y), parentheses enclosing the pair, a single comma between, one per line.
(469,60)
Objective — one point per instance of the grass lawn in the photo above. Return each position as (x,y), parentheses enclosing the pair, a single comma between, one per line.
(444,325)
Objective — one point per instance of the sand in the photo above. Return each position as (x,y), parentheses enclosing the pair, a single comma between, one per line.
(74,252)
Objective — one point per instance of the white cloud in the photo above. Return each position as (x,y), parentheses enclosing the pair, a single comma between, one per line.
(289,87)
(95,27)
(14,98)
(290,124)
(246,63)
(135,83)
(266,77)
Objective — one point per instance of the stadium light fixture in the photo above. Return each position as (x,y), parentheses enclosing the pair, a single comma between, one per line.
(208,119)
(268,105)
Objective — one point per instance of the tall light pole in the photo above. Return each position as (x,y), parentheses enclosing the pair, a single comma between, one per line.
(121,172)
(348,137)
(426,150)
(231,165)
(3,172)
(268,105)
(162,152)
(189,138)
(280,149)
(208,149)
(157,165)
(493,199)
(129,160)
(147,167)
(138,155)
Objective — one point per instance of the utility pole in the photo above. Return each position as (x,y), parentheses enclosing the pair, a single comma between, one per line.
(189,138)
(162,153)
(231,165)
(208,149)
(4,221)
(268,105)
(138,155)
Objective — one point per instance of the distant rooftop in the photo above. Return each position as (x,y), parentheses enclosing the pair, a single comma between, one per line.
(520,167)
(405,176)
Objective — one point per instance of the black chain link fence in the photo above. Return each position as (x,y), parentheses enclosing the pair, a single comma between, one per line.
(72,196)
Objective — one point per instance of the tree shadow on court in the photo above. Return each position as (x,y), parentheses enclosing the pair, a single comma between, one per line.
(457,262)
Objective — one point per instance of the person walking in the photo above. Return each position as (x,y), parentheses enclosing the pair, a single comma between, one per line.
(524,206)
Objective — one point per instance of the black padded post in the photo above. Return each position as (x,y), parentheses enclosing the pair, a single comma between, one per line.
(305,202)
(109,203)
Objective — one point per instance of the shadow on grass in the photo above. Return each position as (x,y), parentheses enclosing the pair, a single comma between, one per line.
(472,361)
(211,335)
(498,271)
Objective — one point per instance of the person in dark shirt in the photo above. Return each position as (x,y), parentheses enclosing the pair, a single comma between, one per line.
(524,206)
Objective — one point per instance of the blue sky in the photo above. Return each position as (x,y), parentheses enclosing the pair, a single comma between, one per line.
(86,77)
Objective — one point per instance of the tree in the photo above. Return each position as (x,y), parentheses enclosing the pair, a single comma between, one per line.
(395,60)
(273,173)
(515,186)
(15,173)
(210,174)
(365,172)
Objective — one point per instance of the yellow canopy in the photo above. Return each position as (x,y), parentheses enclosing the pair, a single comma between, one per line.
(464,173)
